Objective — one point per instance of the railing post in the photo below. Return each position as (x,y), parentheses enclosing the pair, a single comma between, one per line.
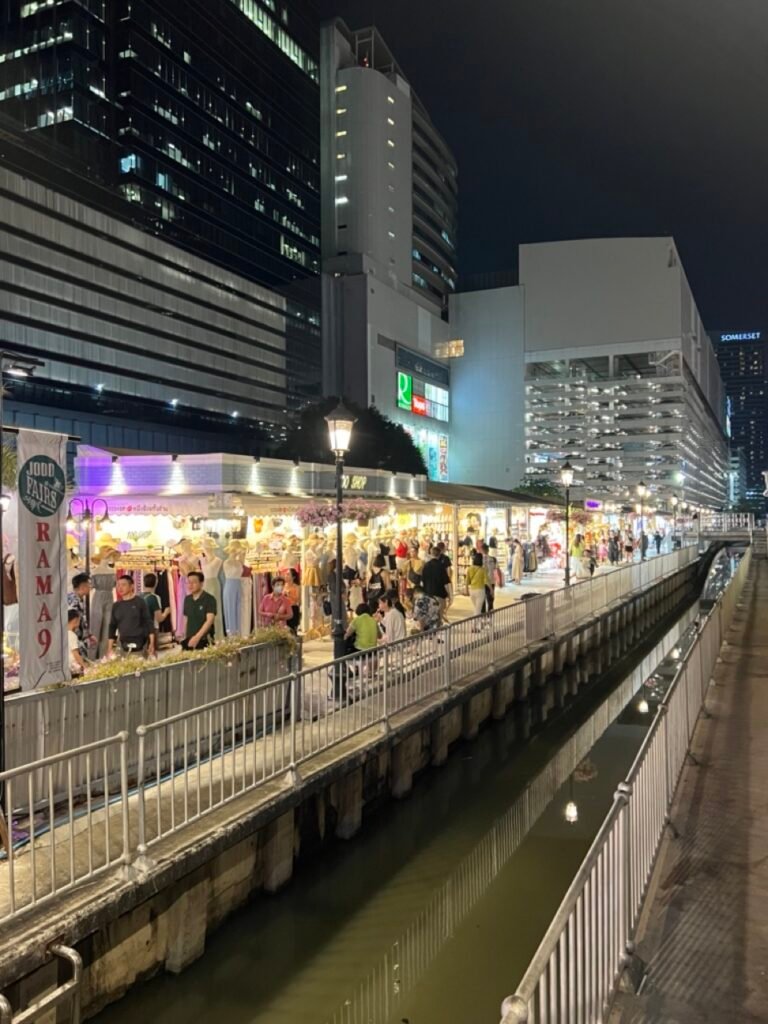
(550,613)
(623,795)
(447,659)
(126,858)
(385,691)
(293,773)
(142,862)
(514,1010)
(492,637)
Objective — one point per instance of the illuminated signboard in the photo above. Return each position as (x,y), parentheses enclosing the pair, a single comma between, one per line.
(743,336)
(593,505)
(419,405)
(404,390)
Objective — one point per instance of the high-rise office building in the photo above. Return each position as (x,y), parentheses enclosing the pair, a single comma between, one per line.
(201,118)
(389,203)
(392,191)
(743,359)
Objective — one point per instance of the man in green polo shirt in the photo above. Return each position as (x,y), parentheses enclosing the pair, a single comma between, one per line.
(200,613)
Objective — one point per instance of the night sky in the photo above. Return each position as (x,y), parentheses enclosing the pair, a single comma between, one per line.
(589,118)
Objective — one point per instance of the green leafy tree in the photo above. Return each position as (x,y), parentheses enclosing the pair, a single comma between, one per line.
(538,488)
(377,441)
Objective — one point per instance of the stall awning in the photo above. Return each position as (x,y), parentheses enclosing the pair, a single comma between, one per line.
(466,494)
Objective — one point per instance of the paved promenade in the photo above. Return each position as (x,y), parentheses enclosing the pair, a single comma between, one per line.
(704,935)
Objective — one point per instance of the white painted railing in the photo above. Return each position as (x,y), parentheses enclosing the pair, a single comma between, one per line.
(234,744)
(573,975)
(56,845)
(197,759)
(43,724)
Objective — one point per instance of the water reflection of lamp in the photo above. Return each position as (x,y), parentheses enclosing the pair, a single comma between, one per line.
(642,705)
(571,808)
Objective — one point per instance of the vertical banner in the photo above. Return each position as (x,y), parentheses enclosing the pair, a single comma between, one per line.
(42,559)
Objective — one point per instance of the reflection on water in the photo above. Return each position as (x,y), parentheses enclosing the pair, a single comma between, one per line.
(434,911)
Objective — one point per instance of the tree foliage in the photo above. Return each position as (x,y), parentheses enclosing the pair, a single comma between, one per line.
(538,488)
(377,442)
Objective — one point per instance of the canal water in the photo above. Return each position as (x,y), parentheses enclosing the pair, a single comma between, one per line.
(434,911)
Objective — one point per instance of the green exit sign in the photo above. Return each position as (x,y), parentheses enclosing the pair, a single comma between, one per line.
(404,391)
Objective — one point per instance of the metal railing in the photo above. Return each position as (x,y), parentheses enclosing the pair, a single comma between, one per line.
(46,1006)
(406,959)
(573,975)
(57,845)
(234,744)
(197,759)
(43,724)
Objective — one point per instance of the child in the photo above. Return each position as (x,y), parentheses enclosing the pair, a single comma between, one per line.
(76,660)
(152,601)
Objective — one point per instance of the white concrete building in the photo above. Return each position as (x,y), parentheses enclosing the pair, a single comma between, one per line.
(389,226)
(620,376)
(488,389)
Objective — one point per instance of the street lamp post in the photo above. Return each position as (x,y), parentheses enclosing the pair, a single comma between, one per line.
(87,515)
(14,366)
(642,491)
(340,423)
(566,476)
(674,501)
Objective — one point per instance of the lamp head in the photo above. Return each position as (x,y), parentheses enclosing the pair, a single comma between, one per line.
(674,500)
(642,490)
(340,423)
(571,812)
(566,474)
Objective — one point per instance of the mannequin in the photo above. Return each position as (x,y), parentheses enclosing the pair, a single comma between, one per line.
(311,575)
(233,591)
(211,564)
(188,562)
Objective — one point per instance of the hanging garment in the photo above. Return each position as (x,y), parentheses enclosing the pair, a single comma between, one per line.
(233,599)
(101,610)
(246,606)
(181,594)
(163,596)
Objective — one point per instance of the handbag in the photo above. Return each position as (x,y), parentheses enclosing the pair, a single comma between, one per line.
(327,606)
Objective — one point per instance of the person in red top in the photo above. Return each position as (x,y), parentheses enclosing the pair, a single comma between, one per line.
(275,608)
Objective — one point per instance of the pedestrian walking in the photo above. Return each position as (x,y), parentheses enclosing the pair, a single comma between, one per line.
(476,582)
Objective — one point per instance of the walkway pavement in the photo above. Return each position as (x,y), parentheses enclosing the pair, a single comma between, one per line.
(704,933)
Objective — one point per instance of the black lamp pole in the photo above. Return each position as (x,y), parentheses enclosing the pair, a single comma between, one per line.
(338,618)
(566,476)
(340,423)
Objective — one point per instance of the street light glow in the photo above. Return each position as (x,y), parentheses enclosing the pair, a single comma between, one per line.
(571,812)
(340,423)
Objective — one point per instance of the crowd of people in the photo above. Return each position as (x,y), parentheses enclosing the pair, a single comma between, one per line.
(416,581)
(589,551)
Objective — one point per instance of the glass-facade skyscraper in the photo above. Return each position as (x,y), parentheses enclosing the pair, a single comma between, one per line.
(201,118)
(743,359)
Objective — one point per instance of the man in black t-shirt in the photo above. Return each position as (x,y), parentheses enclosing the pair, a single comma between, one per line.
(436,579)
(200,613)
(130,623)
